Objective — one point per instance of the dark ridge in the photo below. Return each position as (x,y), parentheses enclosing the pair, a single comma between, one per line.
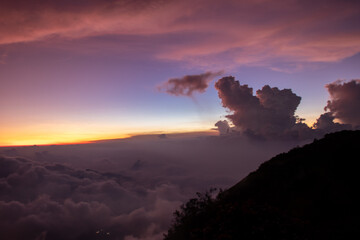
(308,193)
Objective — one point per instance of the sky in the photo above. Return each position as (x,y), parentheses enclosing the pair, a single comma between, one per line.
(87,70)
(168,98)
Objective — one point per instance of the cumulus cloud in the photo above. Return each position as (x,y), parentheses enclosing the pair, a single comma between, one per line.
(189,84)
(325,123)
(223,127)
(269,113)
(344,103)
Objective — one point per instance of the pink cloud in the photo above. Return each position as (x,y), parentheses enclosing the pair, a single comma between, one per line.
(246,32)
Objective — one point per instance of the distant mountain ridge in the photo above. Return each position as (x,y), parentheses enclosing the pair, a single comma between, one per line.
(308,193)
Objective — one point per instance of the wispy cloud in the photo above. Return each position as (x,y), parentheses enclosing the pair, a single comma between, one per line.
(242,32)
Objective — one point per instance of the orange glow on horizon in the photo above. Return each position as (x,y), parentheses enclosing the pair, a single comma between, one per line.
(75,135)
(60,141)
(70,139)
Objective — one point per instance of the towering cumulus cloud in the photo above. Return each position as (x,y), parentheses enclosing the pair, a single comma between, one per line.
(325,123)
(345,101)
(223,127)
(269,113)
(189,84)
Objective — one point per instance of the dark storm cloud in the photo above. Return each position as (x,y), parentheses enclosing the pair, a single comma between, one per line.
(344,103)
(269,113)
(189,84)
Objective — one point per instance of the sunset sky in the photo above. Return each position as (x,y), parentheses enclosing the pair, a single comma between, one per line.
(73,71)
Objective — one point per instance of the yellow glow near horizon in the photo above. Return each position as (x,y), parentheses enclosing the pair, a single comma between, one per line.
(43,134)
(75,134)
(53,140)
(310,120)
(37,139)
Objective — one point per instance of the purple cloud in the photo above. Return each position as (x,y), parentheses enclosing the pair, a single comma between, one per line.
(189,84)
(344,103)
(269,113)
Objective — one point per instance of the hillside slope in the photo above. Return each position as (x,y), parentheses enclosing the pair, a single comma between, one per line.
(307,193)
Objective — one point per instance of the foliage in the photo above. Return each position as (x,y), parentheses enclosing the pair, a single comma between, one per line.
(307,193)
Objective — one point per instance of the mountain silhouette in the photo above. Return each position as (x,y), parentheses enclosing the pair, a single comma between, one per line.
(308,193)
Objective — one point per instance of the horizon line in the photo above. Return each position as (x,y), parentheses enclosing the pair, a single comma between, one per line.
(95,140)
